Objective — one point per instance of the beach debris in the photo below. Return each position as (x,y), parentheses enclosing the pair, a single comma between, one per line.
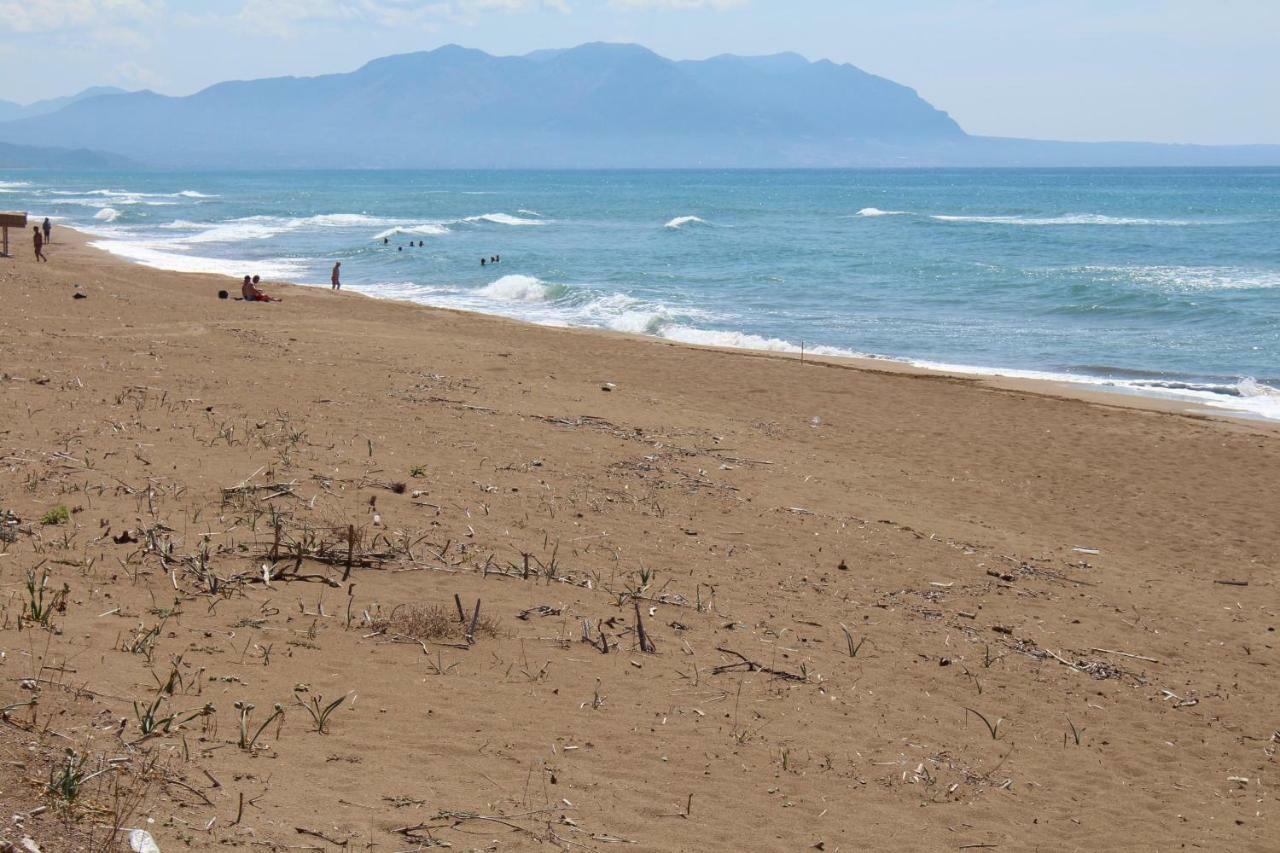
(141,842)
(608,386)
(540,610)
(79,295)
(1232,583)
(1086,551)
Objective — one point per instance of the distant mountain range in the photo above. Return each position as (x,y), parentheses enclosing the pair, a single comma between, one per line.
(9,111)
(593,106)
(44,157)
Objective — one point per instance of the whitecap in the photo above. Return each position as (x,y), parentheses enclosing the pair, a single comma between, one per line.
(681,221)
(195,194)
(107,214)
(875,211)
(425,229)
(517,288)
(504,219)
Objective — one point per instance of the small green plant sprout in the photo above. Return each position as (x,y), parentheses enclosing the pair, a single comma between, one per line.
(67,779)
(320,712)
(58,515)
(1077,734)
(850,646)
(418,472)
(152,723)
(39,606)
(246,709)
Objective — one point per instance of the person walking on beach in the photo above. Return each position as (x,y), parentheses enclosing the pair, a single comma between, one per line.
(38,240)
(336,279)
(48,230)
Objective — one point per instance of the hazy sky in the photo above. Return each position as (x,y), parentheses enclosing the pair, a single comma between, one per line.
(1162,70)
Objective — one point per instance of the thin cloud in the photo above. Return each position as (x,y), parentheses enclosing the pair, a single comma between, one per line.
(679,5)
(59,15)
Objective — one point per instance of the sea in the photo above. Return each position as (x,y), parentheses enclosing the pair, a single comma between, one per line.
(1158,282)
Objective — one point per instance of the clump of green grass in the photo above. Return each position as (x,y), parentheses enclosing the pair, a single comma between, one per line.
(39,607)
(320,712)
(58,515)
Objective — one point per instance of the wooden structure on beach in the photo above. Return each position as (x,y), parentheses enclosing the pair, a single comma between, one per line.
(11,220)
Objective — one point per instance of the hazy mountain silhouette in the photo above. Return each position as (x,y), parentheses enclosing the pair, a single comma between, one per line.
(10,111)
(593,106)
(44,157)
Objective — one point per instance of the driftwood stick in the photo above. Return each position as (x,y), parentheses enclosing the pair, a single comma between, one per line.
(646,644)
(475,621)
(1126,655)
(351,548)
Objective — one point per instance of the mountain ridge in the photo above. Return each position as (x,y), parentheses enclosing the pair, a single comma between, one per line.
(597,105)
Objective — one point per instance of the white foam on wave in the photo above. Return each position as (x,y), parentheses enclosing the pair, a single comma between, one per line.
(107,214)
(14,185)
(1184,278)
(1247,396)
(119,201)
(195,194)
(347,220)
(151,256)
(504,219)
(1067,219)
(875,211)
(245,228)
(681,221)
(529,212)
(425,229)
(265,227)
(517,288)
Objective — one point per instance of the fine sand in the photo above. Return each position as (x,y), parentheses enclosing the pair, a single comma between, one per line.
(879,610)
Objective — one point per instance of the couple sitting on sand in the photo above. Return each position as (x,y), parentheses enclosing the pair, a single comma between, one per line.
(252,293)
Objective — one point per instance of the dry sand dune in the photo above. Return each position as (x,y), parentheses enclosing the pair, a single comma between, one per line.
(735,603)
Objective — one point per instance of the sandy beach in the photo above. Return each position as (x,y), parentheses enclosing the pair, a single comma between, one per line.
(581,590)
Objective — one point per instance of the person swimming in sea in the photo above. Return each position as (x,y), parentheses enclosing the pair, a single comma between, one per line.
(482,262)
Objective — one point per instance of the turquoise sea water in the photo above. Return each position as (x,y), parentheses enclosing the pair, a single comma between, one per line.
(1164,282)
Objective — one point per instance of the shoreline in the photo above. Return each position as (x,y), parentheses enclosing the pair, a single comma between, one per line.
(711,599)
(1087,389)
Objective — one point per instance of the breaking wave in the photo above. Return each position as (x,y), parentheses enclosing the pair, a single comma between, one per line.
(520,288)
(424,229)
(681,221)
(107,214)
(504,219)
(875,211)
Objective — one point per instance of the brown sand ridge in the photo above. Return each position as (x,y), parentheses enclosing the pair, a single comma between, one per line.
(735,603)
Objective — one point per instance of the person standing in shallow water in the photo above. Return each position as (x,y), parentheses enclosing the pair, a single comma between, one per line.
(38,239)
(335,279)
